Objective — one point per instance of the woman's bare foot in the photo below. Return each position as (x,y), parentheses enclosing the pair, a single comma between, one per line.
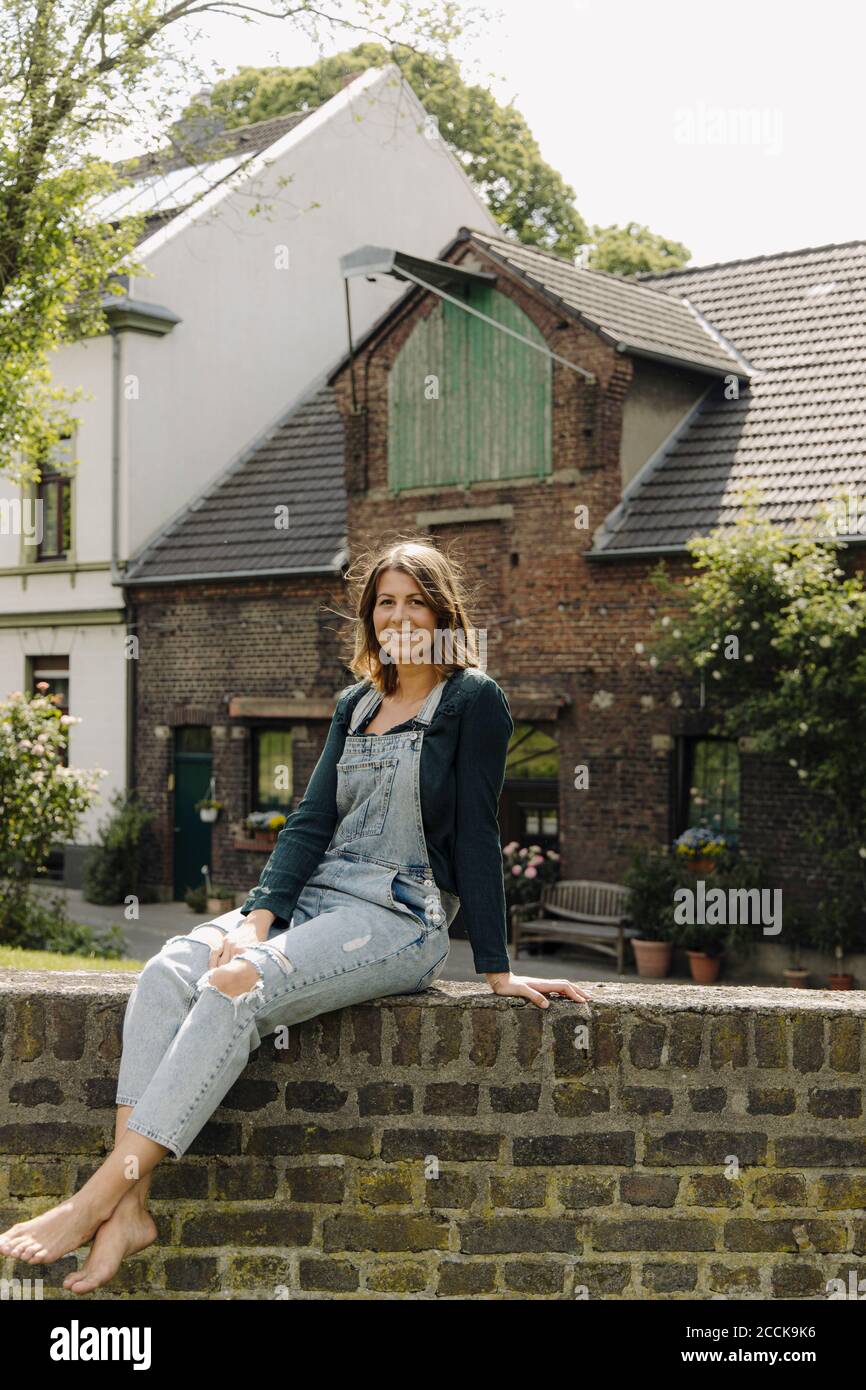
(49,1237)
(129,1229)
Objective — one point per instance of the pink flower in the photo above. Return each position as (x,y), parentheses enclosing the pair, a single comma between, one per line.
(517,870)
(537,860)
(41,685)
(522,853)
(531,873)
(510,848)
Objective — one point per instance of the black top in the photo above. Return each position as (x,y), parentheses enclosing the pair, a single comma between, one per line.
(461,776)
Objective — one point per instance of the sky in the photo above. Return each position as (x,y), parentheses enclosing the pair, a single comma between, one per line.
(734,128)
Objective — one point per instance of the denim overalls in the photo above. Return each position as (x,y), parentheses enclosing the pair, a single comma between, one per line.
(369,922)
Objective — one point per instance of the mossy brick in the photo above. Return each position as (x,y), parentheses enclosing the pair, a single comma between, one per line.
(771,1100)
(519,1234)
(192,1273)
(533,1277)
(217,1137)
(187,1179)
(771,1041)
(686,1034)
(600,1279)
(779,1190)
(576,1098)
(712,1190)
(797,1280)
(109,1032)
(733,1279)
(33,1178)
(648,1189)
(450,1191)
(485,1036)
(858,1238)
(447,1145)
(669,1278)
(528,1026)
(646,1100)
(744,1233)
(278,1140)
(42,1090)
(266,1226)
(407,1024)
(835,1103)
(708,1147)
(250,1093)
(671,1233)
(580,1192)
(366,1033)
(324,1033)
(708,1100)
(322,1183)
(69,1028)
(380,1186)
(646,1044)
(447,1036)
(285,1046)
(609,1148)
(729,1041)
(265,1274)
(450,1098)
(570,1058)
(820,1151)
(328,1276)
(520,1099)
(317,1096)
(26,1039)
(518,1190)
(846,1042)
(808,1042)
(384,1232)
(52,1275)
(386,1098)
(840,1192)
(100,1092)
(456,1278)
(244,1180)
(397,1277)
(136,1275)
(52,1137)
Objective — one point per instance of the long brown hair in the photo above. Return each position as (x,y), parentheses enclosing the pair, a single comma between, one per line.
(440,580)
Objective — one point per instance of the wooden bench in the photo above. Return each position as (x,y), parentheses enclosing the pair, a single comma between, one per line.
(579,911)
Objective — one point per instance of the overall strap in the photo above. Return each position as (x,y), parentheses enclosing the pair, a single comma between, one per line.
(364,706)
(428,709)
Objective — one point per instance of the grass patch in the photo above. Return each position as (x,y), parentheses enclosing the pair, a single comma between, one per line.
(20,958)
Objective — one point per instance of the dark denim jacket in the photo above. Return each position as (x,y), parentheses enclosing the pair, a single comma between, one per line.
(462,771)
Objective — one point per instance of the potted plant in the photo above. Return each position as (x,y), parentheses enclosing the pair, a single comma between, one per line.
(263,827)
(196,898)
(208,809)
(700,848)
(837,930)
(704,944)
(651,880)
(217,899)
(526,871)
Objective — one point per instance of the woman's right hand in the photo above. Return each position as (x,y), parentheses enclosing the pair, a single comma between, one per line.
(251,930)
(530,987)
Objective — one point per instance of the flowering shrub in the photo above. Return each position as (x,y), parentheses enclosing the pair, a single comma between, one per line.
(41,801)
(526,870)
(265,820)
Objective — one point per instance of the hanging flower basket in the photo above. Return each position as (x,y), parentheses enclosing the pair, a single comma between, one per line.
(208,809)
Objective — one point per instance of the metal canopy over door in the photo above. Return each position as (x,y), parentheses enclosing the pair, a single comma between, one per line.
(193,766)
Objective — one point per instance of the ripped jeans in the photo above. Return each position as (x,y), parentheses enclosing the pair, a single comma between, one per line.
(185,1042)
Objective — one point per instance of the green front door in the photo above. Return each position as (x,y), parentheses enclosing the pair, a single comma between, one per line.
(193,765)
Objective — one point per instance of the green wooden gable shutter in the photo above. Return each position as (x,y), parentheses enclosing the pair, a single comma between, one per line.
(492,415)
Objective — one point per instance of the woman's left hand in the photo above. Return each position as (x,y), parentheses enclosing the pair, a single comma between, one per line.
(237,939)
(528,987)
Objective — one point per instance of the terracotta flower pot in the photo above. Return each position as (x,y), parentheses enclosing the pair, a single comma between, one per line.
(796,979)
(840,981)
(702,866)
(705,969)
(653,958)
(220,905)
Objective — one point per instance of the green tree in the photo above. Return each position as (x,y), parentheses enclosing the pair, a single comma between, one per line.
(633,248)
(776,629)
(74,73)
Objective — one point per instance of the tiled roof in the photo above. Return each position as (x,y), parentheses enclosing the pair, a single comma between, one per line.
(231,529)
(645,320)
(798,429)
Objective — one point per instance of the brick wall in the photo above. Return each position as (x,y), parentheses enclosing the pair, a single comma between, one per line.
(696,1143)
